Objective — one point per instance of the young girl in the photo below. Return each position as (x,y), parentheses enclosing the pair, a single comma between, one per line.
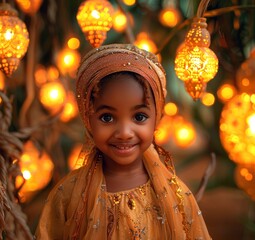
(127,187)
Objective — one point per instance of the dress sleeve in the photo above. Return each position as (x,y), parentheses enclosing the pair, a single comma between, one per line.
(54,214)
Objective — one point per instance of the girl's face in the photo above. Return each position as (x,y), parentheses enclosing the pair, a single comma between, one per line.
(122,124)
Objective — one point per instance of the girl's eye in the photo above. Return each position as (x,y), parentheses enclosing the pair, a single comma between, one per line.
(140,117)
(106,118)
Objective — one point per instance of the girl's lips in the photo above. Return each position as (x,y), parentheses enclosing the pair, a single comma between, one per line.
(123,149)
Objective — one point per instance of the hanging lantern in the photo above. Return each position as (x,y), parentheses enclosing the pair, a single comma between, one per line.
(245,75)
(52,95)
(237,128)
(245,178)
(14,39)
(2,81)
(29,6)
(95,20)
(195,63)
(37,169)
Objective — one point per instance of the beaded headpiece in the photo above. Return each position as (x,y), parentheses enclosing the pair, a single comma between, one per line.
(113,58)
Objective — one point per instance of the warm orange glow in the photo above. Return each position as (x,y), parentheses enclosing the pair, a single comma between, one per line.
(119,21)
(73,162)
(143,41)
(70,110)
(14,39)
(40,75)
(36,167)
(29,6)
(169,17)
(245,75)
(208,99)
(163,131)
(52,95)
(237,131)
(95,19)
(184,132)
(245,178)
(68,60)
(73,43)
(226,92)
(171,109)
(2,81)
(129,2)
(195,63)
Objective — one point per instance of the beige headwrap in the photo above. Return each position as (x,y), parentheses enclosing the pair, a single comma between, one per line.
(112,58)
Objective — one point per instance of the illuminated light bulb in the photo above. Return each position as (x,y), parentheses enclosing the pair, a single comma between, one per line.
(70,110)
(14,39)
(37,169)
(29,6)
(170,109)
(184,132)
(143,41)
(237,128)
(52,73)
(95,19)
(52,95)
(195,63)
(208,99)
(129,2)
(245,178)
(73,43)
(226,92)
(73,162)
(169,17)
(68,61)
(245,75)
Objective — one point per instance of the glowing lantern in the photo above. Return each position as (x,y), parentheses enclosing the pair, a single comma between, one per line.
(143,41)
(195,63)
(245,75)
(52,95)
(237,128)
(245,178)
(95,20)
(29,6)
(73,157)
(68,61)
(37,169)
(184,132)
(70,108)
(169,17)
(226,92)
(14,39)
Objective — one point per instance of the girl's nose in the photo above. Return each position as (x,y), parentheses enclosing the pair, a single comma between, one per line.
(124,130)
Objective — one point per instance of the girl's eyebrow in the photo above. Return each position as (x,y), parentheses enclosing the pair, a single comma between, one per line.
(106,107)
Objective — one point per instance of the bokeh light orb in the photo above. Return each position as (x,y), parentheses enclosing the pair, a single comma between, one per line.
(237,128)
